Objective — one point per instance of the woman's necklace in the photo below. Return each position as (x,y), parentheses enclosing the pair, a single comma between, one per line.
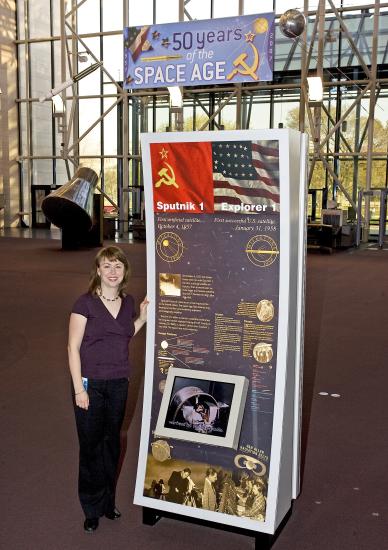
(109,299)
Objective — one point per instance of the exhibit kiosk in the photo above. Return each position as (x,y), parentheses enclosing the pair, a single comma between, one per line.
(225,215)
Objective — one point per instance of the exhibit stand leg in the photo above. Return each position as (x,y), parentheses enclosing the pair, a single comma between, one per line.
(263,541)
(150,516)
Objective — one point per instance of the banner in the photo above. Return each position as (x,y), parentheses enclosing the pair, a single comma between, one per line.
(221,338)
(215,51)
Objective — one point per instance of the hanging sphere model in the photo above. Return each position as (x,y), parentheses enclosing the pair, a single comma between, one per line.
(292,23)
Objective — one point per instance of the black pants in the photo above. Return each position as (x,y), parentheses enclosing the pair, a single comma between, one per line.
(99,441)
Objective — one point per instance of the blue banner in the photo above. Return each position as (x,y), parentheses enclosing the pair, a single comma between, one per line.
(214,51)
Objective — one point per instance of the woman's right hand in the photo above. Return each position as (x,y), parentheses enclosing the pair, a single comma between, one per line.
(82,400)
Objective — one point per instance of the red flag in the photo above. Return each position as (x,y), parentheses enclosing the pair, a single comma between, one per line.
(182,177)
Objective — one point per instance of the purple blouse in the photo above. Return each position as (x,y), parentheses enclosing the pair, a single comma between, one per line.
(104,347)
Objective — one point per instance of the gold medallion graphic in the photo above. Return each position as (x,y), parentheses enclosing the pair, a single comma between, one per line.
(161,450)
(169,247)
(262,250)
(260,25)
(265,311)
(263,352)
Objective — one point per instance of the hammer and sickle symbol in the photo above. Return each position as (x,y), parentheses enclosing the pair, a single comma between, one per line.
(250,463)
(246,69)
(167,177)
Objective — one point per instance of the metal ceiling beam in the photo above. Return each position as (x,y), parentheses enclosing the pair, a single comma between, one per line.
(350,39)
(345,115)
(371,121)
(227,100)
(332,121)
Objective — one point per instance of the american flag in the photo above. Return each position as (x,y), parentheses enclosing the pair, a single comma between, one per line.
(135,40)
(246,172)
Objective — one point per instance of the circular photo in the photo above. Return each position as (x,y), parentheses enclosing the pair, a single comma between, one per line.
(265,311)
(263,352)
(160,450)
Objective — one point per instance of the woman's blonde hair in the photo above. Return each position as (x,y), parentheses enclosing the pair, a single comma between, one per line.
(109,253)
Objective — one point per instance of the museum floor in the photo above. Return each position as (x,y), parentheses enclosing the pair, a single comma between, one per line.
(343,503)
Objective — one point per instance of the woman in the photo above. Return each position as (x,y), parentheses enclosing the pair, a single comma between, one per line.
(102,323)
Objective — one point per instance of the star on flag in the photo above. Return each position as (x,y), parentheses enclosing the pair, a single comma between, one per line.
(249,36)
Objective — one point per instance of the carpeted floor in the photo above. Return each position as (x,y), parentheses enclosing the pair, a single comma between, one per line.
(343,504)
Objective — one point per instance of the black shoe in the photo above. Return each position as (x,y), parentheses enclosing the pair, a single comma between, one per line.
(114,514)
(90,524)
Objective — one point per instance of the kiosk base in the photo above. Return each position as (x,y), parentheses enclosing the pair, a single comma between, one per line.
(150,516)
(263,541)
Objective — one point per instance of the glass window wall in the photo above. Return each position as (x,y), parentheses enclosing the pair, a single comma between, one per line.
(226,8)
(88,17)
(198,9)
(140,13)
(169,15)
(261,108)
(39,23)
(41,126)
(251,6)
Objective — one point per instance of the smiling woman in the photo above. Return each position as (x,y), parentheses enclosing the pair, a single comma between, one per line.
(102,324)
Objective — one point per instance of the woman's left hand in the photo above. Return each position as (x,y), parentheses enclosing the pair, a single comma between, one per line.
(143,310)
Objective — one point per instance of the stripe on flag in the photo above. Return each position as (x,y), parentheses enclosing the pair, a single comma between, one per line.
(246,172)
(137,38)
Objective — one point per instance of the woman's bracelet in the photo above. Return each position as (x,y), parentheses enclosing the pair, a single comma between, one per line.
(79,392)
